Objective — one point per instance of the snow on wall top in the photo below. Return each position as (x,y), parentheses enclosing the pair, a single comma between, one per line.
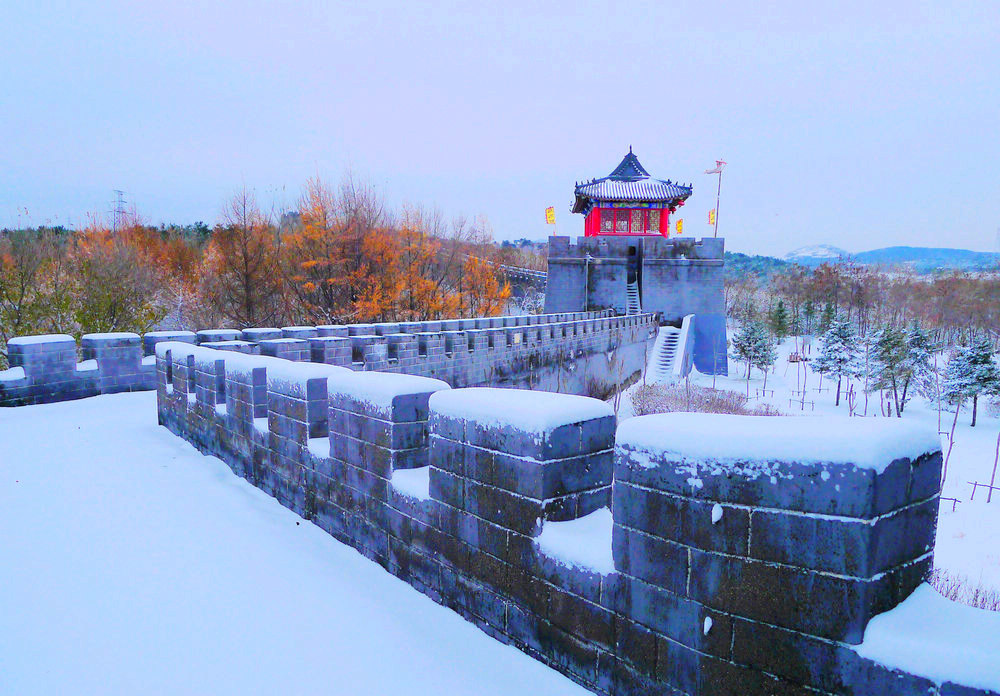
(934,637)
(865,442)
(112,334)
(44,338)
(380,388)
(159,334)
(526,410)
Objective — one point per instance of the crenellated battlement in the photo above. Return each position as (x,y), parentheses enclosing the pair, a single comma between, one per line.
(654,247)
(562,352)
(749,564)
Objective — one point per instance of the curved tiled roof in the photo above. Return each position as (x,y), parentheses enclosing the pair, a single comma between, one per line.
(628,182)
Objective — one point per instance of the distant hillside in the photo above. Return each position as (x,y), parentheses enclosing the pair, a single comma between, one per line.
(929,259)
(743,264)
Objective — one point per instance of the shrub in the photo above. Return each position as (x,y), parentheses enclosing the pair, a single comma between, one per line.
(661,398)
(959,588)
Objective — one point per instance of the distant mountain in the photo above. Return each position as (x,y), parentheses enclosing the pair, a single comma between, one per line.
(816,254)
(920,259)
(930,259)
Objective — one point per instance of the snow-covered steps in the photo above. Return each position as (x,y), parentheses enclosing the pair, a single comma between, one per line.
(634,306)
(661,360)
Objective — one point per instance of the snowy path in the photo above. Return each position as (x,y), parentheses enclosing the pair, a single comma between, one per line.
(133,564)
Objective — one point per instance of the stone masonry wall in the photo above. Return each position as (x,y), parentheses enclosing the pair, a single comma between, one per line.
(736,584)
(580,353)
(677,277)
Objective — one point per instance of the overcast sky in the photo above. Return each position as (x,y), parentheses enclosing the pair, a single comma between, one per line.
(857,124)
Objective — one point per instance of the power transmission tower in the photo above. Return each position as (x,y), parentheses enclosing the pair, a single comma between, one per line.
(118,214)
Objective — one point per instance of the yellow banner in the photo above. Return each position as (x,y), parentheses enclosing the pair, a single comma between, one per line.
(550,216)
(680,226)
(711,216)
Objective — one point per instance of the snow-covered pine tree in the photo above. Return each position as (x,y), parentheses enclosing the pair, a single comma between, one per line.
(839,354)
(984,372)
(827,318)
(923,377)
(779,320)
(742,344)
(764,352)
(888,368)
(958,380)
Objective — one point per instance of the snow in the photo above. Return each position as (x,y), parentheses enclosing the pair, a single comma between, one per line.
(169,334)
(816,251)
(137,565)
(581,543)
(284,340)
(864,442)
(966,538)
(259,424)
(12,374)
(149,360)
(319,446)
(112,334)
(527,410)
(717,513)
(936,638)
(707,625)
(378,389)
(86,365)
(44,338)
(298,328)
(414,483)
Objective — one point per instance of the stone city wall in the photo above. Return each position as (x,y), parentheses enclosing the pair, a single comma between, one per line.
(573,352)
(704,577)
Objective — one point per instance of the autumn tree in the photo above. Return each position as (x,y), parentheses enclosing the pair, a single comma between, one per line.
(242,275)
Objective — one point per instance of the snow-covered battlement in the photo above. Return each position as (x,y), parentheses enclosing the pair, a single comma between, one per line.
(659,564)
(529,350)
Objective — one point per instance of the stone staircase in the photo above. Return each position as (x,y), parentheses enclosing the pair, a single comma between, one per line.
(661,362)
(634,307)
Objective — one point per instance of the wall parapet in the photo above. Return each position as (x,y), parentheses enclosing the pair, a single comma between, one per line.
(556,351)
(746,573)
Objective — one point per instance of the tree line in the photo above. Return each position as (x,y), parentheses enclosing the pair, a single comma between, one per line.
(340,257)
(884,334)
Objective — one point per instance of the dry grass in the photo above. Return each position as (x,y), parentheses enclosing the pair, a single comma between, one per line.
(959,588)
(661,398)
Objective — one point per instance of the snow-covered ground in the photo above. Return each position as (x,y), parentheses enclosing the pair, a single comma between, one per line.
(968,540)
(133,564)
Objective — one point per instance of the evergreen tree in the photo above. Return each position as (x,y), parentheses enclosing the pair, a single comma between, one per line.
(922,376)
(839,354)
(764,352)
(958,382)
(779,320)
(742,344)
(889,366)
(984,372)
(827,318)
(809,314)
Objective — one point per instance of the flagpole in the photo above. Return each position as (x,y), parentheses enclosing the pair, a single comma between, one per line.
(718,195)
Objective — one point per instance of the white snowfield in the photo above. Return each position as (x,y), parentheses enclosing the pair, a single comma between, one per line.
(531,411)
(132,564)
(936,638)
(719,438)
(380,388)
